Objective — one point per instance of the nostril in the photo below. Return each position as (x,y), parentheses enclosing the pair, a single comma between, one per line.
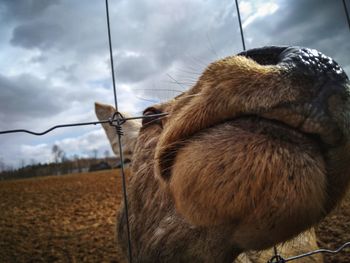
(264,56)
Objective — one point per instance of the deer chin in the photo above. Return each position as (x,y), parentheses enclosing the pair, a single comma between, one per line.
(267,176)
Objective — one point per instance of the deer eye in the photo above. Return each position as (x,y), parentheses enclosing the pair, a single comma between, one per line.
(149,119)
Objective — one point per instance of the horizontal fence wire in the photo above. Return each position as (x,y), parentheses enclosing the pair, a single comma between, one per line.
(279,259)
(112,121)
(320,251)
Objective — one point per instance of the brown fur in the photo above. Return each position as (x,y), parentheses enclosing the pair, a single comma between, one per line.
(219,175)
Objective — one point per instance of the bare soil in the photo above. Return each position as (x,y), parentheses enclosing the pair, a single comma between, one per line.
(60,218)
(72,219)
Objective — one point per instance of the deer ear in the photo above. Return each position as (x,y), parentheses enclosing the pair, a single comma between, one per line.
(130,128)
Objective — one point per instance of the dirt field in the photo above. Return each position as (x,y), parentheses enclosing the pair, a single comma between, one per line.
(72,219)
(59,219)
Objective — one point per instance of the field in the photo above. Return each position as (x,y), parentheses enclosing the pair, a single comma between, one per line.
(60,219)
(72,219)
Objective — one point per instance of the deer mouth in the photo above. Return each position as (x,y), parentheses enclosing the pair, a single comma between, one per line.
(305,120)
(291,126)
(275,130)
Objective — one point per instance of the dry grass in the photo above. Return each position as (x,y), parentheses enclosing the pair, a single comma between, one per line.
(72,219)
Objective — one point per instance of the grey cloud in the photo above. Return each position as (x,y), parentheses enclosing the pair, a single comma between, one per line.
(39,59)
(173,37)
(326,18)
(135,68)
(26,97)
(197,31)
(189,33)
(70,26)
(27,9)
(36,34)
(67,72)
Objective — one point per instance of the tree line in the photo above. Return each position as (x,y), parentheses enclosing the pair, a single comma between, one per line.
(61,165)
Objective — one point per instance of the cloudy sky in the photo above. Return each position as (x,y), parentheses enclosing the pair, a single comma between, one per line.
(54,60)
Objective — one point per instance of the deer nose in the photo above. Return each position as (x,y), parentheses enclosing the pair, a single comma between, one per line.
(320,76)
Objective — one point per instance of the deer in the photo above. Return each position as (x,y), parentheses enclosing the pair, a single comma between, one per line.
(256,152)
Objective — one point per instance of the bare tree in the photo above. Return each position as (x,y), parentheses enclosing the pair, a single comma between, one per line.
(106,154)
(57,152)
(22,163)
(95,153)
(32,162)
(2,165)
(77,162)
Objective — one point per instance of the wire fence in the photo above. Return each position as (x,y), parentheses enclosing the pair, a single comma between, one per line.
(117,120)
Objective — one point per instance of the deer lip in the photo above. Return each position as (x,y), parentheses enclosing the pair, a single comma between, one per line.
(307,120)
(275,129)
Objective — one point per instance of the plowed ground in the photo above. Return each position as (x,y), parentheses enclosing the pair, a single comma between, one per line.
(72,219)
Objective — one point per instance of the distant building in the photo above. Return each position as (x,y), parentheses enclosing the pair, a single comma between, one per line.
(99,166)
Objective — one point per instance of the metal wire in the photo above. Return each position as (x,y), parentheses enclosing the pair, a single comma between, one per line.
(111,121)
(240,24)
(53,128)
(276,258)
(119,133)
(111,56)
(318,251)
(346,13)
(279,259)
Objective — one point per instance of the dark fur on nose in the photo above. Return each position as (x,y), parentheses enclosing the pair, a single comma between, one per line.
(313,63)
(323,74)
(307,61)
